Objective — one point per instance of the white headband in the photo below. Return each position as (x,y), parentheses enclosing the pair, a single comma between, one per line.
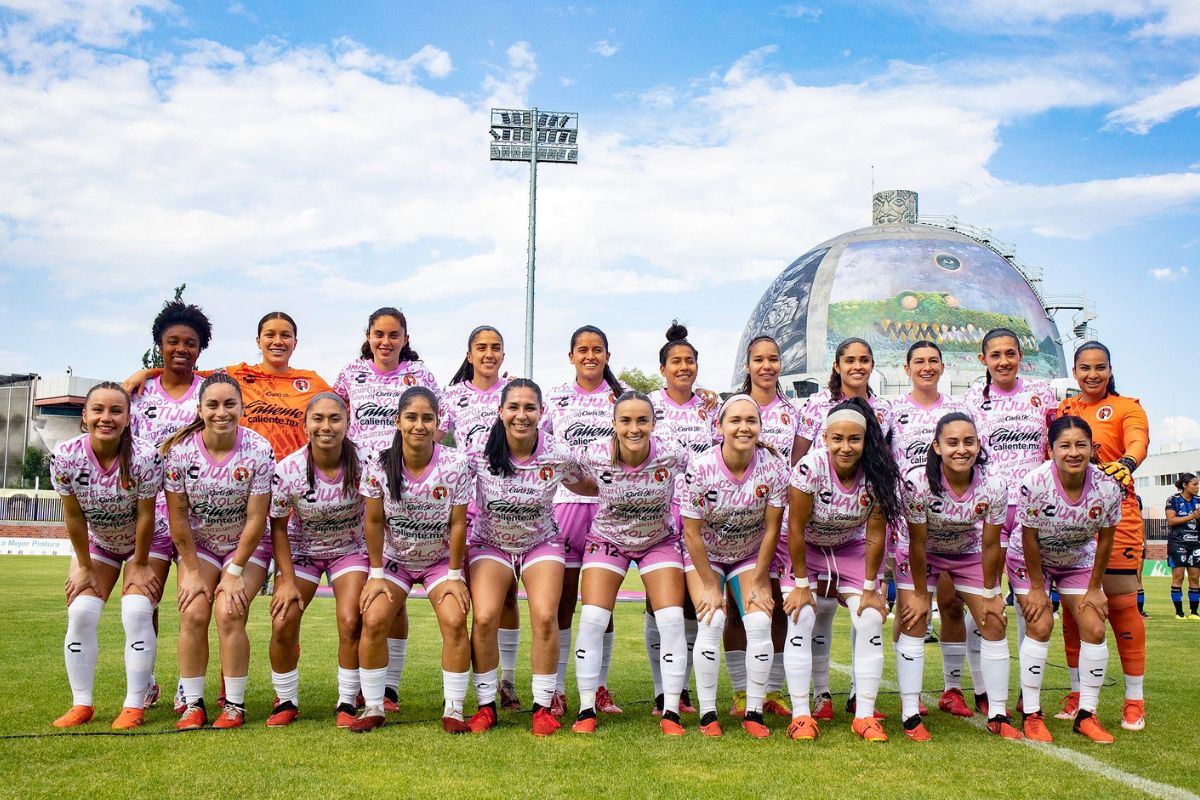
(847,415)
(735,398)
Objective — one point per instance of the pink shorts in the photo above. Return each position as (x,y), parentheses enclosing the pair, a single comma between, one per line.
(574,524)
(845,566)
(159,549)
(782,565)
(965,570)
(1010,527)
(406,578)
(551,550)
(261,555)
(725,569)
(667,553)
(311,569)
(1068,580)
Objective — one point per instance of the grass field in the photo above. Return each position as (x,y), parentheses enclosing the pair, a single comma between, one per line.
(626,758)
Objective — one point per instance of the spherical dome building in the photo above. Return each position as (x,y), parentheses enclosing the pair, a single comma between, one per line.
(895,283)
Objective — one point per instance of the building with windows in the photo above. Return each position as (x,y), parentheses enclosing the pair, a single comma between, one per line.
(1155,478)
(37,412)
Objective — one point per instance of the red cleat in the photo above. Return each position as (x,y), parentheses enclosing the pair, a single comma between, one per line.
(585,725)
(152,695)
(604,702)
(558,704)
(756,729)
(391,701)
(231,716)
(981,704)
(685,703)
(822,707)
(1070,706)
(917,733)
(454,725)
(344,715)
(76,715)
(509,701)
(282,715)
(369,720)
(544,722)
(711,729)
(1087,724)
(775,704)
(952,702)
(1133,715)
(482,720)
(193,718)
(1035,728)
(1003,727)
(671,727)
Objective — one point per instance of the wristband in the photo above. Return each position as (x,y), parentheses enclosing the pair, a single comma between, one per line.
(989,592)
(869,586)
(234,569)
(454,575)
(801,583)
(375,573)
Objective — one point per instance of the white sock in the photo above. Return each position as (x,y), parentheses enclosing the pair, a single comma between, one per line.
(1020,628)
(454,693)
(775,679)
(910,669)
(1073,678)
(760,654)
(868,656)
(673,655)
(853,650)
(690,626)
(653,641)
(193,688)
(348,686)
(485,687)
(564,655)
(141,647)
(397,653)
(1033,664)
(1093,658)
(708,661)
(798,659)
(995,666)
(81,647)
(287,686)
(374,684)
(974,649)
(235,689)
(543,689)
(509,641)
(1133,686)
(606,656)
(735,667)
(822,641)
(953,655)
(588,645)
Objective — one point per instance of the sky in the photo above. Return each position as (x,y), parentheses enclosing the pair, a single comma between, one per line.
(330,158)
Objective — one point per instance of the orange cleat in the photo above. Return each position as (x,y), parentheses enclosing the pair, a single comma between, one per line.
(369,720)
(712,728)
(756,728)
(231,716)
(869,729)
(544,722)
(604,702)
(482,720)
(1035,728)
(1133,715)
(1003,727)
(952,702)
(1087,724)
(671,727)
(922,709)
(775,704)
(822,707)
(803,729)
(344,715)
(76,715)
(129,718)
(585,724)
(1070,706)
(918,732)
(454,725)
(282,715)
(193,718)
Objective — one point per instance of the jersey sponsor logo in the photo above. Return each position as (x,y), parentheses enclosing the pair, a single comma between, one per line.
(260,407)
(1104,413)
(360,377)
(462,402)
(606,477)
(903,418)
(150,412)
(581,433)
(935,506)
(1050,511)
(301,385)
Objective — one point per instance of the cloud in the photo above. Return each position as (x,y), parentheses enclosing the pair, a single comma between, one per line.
(1168,275)
(605,49)
(510,89)
(1177,433)
(239,10)
(103,24)
(432,60)
(1158,107)
(1166,19)
(800,11)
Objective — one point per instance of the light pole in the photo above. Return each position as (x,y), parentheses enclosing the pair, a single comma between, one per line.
(533,136)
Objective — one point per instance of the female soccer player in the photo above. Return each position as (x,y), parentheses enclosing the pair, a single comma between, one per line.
(417,493)
(1069,511)
(218,481)
(515,537)
(955,511)
(842,497)
(849,377)
(578,413)
(470,406)
(167,403)
(915,416)
(317,529)
(635,473)
(732,507)
(108,481)
(1121,435)
(1183,543)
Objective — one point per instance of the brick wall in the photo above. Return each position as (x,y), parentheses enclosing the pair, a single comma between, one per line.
(34,530)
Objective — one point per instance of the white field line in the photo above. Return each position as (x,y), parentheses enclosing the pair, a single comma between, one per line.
(1083,763)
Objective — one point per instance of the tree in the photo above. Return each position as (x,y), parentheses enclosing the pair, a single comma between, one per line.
(152,358)
(634,378)
(36,466)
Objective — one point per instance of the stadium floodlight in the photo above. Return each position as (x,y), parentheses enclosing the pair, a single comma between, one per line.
(533,136)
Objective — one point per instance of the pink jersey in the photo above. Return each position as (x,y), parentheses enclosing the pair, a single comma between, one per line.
(109,508)
(416,531)
(635,502)
(732,512)
(469,412)
(955,524)
(324,521)
(374,398)
(812,418)
(1012,428)
(780,426)
(156,415)
(578,417)
(689,424)
(913,426)
(840,512)
(218,491)
(1066,530)
(516,513)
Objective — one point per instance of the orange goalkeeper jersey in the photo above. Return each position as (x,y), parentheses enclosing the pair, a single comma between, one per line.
(274,404)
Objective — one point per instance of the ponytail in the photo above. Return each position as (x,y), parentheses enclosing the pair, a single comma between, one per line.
(466,371)
(125,448)
(614,385)
(198,424)
(499,457)
(995,333)
(406,352)
(879,468)
(1184,480)
(933,462)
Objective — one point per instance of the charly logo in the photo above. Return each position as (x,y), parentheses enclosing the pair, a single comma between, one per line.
(1104,413)
(605,477)
(1050,511)
(439,493)
(462,402)
(661,474)
(240,473)
(301,385)
(546,473)
(360,377)
(903,418)
(762,490)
